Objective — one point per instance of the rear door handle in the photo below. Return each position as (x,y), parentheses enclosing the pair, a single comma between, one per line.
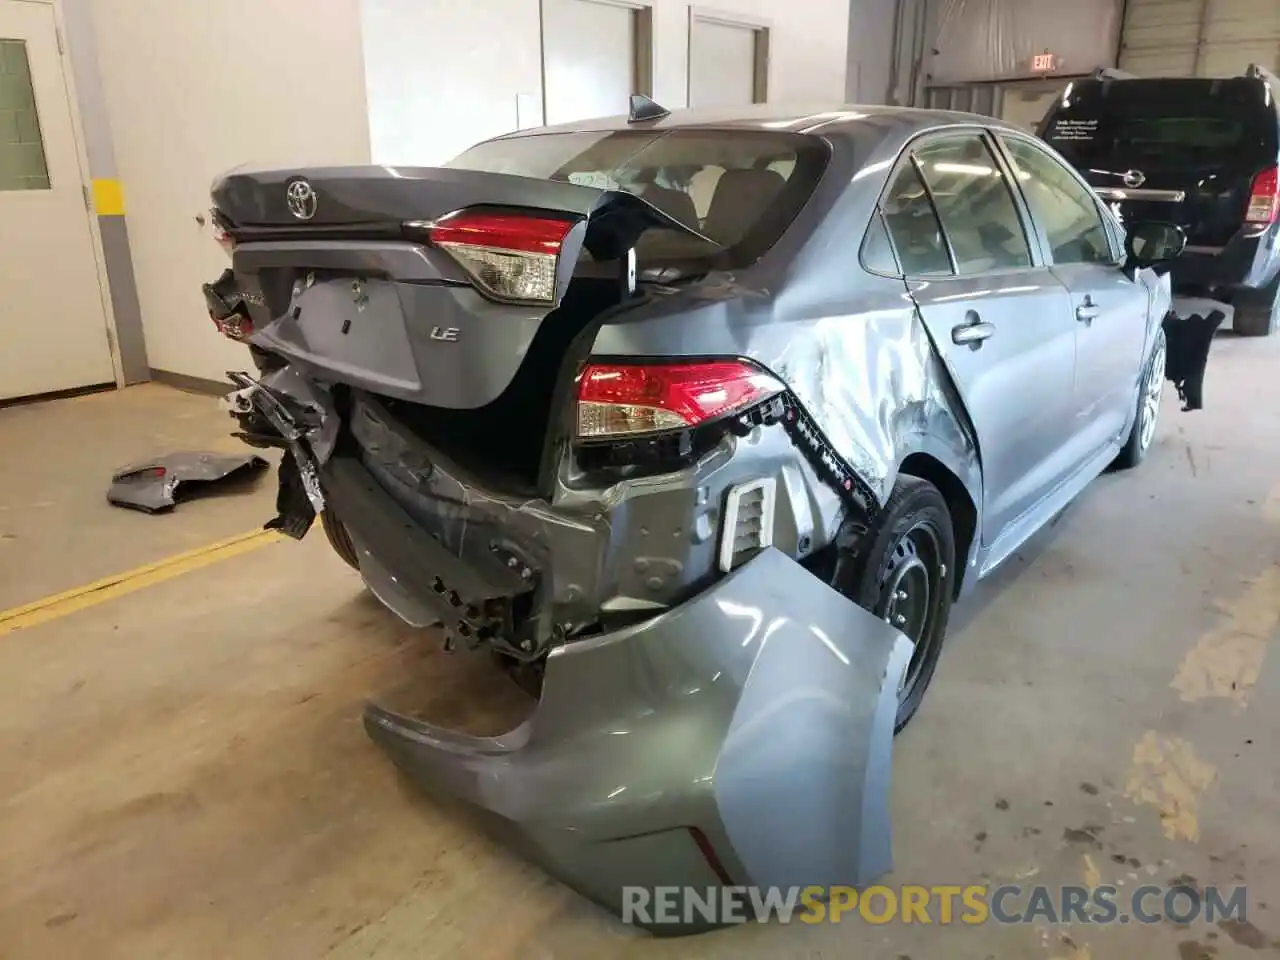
(972,333)
(1087,311)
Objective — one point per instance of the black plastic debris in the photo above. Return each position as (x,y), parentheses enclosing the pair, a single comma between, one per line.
(156,485)
(1188,341)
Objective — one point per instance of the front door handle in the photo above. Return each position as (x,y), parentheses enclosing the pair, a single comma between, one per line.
(1087,311)
(972,332)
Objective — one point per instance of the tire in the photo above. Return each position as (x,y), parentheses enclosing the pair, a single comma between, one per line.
(1147,415)
(903,570)
(1254,320)
(338,538)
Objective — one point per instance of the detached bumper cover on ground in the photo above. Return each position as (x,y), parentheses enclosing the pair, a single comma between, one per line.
(154,485)
(743,738)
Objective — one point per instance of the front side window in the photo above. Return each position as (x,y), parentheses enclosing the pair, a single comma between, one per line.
(1064,208)
(975,204)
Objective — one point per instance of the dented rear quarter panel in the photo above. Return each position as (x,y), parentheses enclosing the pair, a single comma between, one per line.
(849,344)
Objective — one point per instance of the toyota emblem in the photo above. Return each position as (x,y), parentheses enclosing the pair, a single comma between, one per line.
(1133,178)
(301,197)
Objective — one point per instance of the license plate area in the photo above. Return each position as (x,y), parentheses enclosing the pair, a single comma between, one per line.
(353,326)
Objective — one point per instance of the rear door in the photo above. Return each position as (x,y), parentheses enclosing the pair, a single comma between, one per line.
(1110,309)
(1000,319)
(1181,150)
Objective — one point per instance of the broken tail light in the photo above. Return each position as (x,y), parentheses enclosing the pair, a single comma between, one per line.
(509,256)
(221,233)
(1264,199)
(226,307)
(622,400)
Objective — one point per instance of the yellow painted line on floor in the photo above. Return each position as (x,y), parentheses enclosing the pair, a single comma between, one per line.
(1226,662)
(100,591)
(1166,773)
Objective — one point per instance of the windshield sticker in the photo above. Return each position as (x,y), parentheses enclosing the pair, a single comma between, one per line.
(594,178)
(1075,130)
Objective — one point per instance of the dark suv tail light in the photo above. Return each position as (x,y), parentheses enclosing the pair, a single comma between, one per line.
(1264,200)
(626,400)
(509,256)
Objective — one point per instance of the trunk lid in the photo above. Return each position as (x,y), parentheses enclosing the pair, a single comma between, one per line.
(340,271)
(1180,150)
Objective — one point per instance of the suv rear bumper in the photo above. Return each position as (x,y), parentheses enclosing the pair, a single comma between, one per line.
(741,739)
(1244,264)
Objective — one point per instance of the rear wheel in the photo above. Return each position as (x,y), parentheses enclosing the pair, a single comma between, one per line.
(339,539)
(1257,320)
(903,570)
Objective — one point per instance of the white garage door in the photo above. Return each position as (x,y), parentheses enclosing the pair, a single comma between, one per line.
(1200,38)
(53,332)
(589,52)
(722,63)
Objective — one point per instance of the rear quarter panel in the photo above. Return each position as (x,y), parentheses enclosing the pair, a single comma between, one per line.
(849,344)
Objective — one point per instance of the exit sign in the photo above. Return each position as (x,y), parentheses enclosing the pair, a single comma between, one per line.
(1044,62)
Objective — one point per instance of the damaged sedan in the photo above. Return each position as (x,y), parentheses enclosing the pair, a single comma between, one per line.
(701,423)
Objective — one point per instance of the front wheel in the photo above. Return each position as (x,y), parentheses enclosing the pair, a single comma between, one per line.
(903,571)
(1150,392)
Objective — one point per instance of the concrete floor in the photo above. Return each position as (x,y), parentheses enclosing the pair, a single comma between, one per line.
(183,771)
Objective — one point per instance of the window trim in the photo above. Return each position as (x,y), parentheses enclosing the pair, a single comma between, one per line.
(1104,216)
(937,214)
(877,216)
(1030,228)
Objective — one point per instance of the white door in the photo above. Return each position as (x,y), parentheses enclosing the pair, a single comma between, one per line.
(722,64)
(53,331)
(1199,38)
(589,58)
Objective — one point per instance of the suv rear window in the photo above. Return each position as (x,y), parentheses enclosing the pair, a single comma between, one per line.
(1164,123)
(741,189)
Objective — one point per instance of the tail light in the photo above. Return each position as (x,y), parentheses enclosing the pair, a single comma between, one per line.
(1264,200)
(621,400)
(220,232)
(509,256)
(235,325)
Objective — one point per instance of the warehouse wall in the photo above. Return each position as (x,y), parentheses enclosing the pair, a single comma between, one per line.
(192,88)
(429,100)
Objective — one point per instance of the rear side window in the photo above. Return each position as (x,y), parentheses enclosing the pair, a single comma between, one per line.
(741,189)
(1063,207)
(975,205)
(913,224)
(877,250)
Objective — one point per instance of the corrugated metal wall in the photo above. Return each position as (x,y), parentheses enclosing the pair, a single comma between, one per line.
(1199,38)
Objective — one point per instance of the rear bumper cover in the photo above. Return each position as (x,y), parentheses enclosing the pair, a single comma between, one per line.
(743,738)
(1245,264)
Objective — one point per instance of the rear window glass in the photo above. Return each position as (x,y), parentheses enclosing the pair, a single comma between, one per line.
(741,189)
(1164,123)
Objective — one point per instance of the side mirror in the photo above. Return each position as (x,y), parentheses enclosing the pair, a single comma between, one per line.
(1152,242)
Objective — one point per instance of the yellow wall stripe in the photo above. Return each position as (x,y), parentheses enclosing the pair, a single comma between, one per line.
(108,198)
(100,591)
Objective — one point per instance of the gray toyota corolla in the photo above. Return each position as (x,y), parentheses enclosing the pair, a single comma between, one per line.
(700,422)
